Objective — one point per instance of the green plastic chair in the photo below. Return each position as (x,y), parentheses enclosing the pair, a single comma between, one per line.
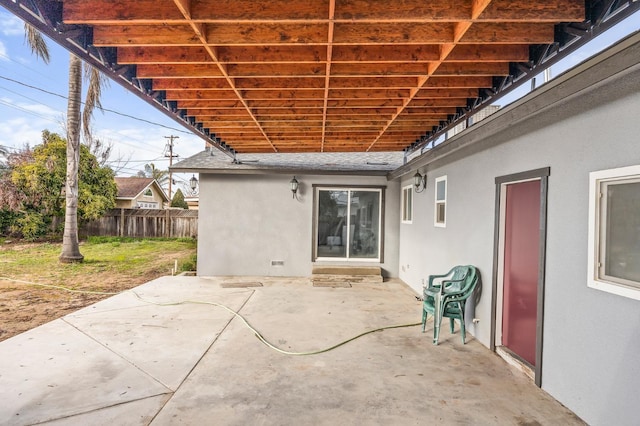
(448,297)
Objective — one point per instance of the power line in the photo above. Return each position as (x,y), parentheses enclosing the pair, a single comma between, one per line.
(103,109)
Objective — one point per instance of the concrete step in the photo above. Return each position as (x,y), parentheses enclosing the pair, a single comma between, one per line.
(329,280)
(346,270)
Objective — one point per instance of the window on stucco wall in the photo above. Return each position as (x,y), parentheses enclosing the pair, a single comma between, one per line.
(407,204)
(440,214)
(614,231)
(348,224)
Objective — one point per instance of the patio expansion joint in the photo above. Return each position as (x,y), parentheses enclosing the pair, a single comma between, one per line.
(169,390)
(204,353)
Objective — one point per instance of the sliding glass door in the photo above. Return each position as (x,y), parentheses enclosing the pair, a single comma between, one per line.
(348,223)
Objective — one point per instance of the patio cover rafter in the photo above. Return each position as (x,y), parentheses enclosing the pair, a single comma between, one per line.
(259,75)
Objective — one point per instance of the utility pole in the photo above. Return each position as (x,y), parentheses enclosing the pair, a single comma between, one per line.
(169,153)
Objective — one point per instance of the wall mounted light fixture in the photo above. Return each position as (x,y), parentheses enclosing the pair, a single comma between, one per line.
(419,181)
(193,183)
(293,184)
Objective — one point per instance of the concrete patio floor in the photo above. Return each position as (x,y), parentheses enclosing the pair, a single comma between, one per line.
(124,361)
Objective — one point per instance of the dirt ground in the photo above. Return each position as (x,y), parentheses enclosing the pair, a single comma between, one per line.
(24,306)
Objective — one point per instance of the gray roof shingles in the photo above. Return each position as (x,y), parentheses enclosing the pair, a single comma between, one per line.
(130,187)
(211,161)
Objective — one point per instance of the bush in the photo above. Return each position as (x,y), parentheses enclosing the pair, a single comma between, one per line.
(7,221)
(178,200)
(32,226)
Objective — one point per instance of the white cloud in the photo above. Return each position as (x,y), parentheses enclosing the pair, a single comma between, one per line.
(20,131)
(10,25)
(4,55)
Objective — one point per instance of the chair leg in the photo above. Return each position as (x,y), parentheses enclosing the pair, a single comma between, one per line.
(436,331)
(424,319)
(451,325)
(437,319)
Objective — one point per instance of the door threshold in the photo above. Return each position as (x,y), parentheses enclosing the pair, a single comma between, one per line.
(515,361)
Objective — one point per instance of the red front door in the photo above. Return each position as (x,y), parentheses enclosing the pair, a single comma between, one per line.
(521,269)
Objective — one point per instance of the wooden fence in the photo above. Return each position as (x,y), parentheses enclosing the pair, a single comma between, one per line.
(143,223)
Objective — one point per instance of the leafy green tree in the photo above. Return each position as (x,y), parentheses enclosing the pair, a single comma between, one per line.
(178,200)
(40,186)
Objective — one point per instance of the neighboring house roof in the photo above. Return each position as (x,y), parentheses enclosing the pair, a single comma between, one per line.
(130,188)
(368,163)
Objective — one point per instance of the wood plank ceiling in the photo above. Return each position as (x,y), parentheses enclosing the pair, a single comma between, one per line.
(321,75)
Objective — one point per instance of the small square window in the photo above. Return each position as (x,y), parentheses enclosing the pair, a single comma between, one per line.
(440,215)
(614,231)
(407,204)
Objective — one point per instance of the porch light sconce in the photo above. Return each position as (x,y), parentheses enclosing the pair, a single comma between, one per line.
(419,181)
(293,184)
(193,183)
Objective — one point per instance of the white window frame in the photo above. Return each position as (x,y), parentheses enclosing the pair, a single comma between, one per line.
(437,202)
(597,202)
(406,213)
(380,191)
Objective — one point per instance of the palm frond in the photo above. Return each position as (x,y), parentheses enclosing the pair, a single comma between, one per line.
(36,42)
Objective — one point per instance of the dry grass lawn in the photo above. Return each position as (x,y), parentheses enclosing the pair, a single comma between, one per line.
(110,265)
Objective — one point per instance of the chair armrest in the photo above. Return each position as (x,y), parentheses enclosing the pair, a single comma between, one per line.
(449,288)
(432,277)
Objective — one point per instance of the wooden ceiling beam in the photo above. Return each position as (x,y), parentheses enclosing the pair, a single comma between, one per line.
(259,34)
(489,53)
(179,71)
(437,82)
(360,111)
(211,104)
(444,93)
(277,70)
(391,33)
(363,103)
(537,11)
(163,55)
(213,125)
(145,35)
(197,95)
(344,34)
(368,93)
(373,82)
(355,10)
(272,54)
(287,112)
(274,11)
(509,33)
(280,83)
(283,94)
(419,69)
(191,84)
(440,102)
(402,53)
(240,113)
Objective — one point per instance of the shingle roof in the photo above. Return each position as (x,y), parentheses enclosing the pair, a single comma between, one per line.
(368,163)
(130,187)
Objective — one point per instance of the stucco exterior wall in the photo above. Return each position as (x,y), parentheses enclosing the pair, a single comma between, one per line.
(248,221)
(591,338)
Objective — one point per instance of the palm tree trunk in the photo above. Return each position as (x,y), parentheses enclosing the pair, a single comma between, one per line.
(70,245)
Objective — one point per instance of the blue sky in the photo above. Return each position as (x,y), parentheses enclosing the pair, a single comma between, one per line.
(25,111)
